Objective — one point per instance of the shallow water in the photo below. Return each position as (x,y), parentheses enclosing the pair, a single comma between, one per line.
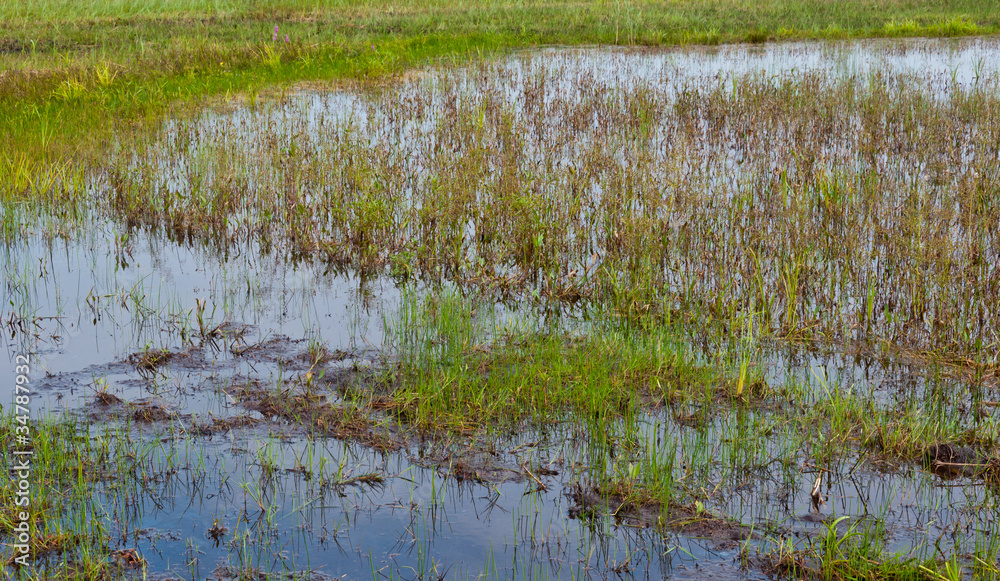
(277,497)
(418,523)
(83,306)
(91,303)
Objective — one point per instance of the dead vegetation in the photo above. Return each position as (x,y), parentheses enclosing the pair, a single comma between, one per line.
(317,413)
(150,359)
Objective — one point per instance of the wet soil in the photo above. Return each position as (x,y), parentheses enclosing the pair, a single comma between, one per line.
(950,460)
(593,502)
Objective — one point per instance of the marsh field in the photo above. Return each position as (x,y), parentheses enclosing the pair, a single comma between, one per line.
(446,290)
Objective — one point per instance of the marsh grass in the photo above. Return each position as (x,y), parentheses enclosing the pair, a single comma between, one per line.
(463,368)
(90,490)
(783,206)
(69,69)
(856,551)
(71,526)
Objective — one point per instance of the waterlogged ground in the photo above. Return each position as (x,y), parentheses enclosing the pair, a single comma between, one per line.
(735,296)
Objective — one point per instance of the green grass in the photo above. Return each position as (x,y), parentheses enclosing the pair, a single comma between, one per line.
(845,550)
(462,369)
(68,523)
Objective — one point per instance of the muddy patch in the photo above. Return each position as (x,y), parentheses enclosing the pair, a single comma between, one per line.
(467,464)
(306,405)
(292,354)
(149,412)
(149,360)
(594,502)
(950,460)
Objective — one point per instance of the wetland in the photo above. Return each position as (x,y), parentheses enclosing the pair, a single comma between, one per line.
(561,313)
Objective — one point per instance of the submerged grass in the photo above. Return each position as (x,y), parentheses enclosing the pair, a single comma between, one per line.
(69,69)
(857,551)
(849,207)
(70,526)
(91,488)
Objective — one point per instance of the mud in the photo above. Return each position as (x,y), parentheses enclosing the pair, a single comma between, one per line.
(593,502)
(950,460)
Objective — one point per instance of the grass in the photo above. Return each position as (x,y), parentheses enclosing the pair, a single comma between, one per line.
(70,527)
(824,232)
(463,369)
(858,551)
(861,214)
(92,488)
(69,69)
